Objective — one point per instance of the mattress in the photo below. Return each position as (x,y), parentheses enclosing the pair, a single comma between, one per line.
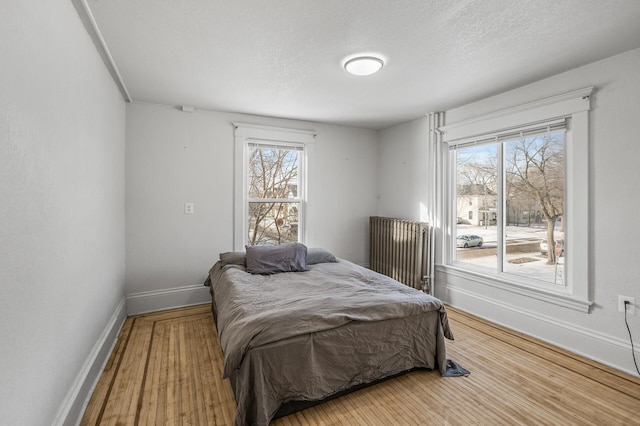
(295,338)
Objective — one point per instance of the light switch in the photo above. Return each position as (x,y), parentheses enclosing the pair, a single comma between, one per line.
(188,208)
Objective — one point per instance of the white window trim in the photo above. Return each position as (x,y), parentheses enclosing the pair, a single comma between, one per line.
(245,133)
(575,106)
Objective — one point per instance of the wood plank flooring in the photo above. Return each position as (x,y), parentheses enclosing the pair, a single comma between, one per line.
(166,368)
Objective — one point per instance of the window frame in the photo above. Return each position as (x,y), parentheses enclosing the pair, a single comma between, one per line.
(245,134)
(573,106)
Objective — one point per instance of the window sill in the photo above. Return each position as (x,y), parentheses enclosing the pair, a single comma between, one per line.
(556,297)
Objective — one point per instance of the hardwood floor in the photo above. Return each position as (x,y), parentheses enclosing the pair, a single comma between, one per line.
(166,369)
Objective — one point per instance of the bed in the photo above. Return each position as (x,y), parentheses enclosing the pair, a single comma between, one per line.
(291,339)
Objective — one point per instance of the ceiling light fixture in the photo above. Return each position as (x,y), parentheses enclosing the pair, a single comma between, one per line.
(363,65)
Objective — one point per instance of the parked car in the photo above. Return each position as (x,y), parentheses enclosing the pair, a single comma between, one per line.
(544,247)
(467,241)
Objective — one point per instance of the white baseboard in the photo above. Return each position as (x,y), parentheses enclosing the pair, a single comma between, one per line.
(158,300)
(596,346)
(76,400)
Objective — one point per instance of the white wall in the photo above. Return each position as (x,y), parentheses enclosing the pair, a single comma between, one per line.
(175,157)
(404,170)
(614,152)
(61,206)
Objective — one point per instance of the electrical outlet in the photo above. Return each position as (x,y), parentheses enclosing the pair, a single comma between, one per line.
(188,208)
(631,306)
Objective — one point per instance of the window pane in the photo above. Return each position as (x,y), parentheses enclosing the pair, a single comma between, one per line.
(535,182)
(273,172)
(273,223)
(476,188)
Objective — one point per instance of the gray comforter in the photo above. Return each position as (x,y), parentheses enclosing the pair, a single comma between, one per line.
(256,312)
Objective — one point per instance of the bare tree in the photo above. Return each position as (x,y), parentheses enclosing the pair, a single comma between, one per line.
(477,176)
(273,176)
(535,167)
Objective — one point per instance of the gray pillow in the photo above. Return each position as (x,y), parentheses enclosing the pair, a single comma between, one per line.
(319,255)
(267,260)
(233,258)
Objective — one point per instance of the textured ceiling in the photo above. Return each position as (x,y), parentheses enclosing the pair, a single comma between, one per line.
(283,58)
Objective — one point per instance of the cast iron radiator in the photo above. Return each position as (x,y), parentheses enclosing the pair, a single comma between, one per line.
(402,250)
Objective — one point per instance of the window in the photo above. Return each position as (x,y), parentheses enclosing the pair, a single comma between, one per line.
(273,197)
(524,172)
(269,184)
(509,178)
